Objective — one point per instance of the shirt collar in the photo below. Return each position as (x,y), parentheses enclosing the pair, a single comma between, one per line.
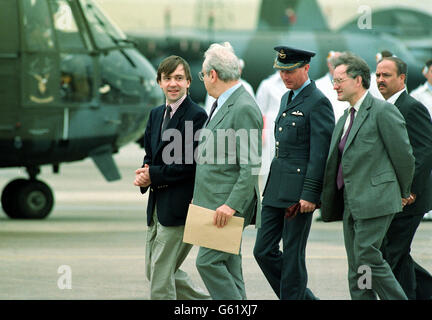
(429,86)
(394,97)
(224,96)
(297,91)
(359,102)
(176,105)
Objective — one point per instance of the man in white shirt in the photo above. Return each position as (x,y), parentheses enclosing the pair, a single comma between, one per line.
(268,97)
(373,89)
(424,92)
(326,86)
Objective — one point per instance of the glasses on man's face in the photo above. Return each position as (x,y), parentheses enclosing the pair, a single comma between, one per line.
(201,75)
(339,81)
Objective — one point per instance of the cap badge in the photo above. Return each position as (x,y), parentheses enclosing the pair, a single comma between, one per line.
(282,54)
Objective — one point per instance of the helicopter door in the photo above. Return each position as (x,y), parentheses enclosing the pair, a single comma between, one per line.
(9,82)
(8,61)
(39,77)
(40,60)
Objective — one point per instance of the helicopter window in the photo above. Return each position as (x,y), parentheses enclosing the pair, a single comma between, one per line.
(121,83)
(410,23)
(76,83)
(9,28)
(65,26)
(105,33)
(38,32)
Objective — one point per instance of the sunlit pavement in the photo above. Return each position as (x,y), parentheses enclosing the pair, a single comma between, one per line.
(92,246)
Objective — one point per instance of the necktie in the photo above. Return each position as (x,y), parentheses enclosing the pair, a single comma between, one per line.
(339,179)
(213,108)
(290,96)
(167,117)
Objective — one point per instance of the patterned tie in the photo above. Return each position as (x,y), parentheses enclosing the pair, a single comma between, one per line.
(213,108)
(167,118)
(339,179)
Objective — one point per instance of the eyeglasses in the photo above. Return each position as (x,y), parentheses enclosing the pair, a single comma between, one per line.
(339,81)
(201,75)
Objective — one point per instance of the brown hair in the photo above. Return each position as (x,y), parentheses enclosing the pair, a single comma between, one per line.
(168,66)
(356,66)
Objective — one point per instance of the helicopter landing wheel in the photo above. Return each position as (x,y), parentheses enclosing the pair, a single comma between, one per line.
(27,199)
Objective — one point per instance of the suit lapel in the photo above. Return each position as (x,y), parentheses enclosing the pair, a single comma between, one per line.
(156,134)
(283,106)
(298,100)
(221,113)
(174,121)
(402,104)
(339,128)
(399,101)
(336,136)
(363,113)
(172,124)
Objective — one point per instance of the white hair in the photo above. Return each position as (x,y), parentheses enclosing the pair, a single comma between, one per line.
(222,59)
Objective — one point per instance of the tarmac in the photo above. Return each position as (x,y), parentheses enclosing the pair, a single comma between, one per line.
(92,246)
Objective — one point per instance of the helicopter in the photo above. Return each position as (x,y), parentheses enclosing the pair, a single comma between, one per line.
(72,86)
(295,23)
(411,26)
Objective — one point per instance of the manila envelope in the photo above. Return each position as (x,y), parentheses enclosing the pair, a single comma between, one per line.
(201,231)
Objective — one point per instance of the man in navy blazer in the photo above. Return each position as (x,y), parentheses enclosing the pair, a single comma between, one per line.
(169,172)
(415,281)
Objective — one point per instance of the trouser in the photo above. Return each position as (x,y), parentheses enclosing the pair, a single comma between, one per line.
(165,252)
(222,274)
(415,281)
(368,273)
(285,270)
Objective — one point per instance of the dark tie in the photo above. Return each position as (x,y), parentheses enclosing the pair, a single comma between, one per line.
(339,179)
(213,108)
(290,96)
(167,118)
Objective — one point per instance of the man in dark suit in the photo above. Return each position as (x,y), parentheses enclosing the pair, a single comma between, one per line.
(169,171)
(367,180)
(391,75)
(303,130)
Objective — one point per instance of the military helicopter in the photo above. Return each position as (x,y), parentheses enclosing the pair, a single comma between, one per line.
(72,86)
(411,26)
(296,23)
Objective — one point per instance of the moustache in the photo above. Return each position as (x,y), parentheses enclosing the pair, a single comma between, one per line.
(380,84)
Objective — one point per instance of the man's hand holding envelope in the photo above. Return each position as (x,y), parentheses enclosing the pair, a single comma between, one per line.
(218,230)
(222,215)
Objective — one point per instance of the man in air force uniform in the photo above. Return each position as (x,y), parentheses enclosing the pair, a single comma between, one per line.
(303,129)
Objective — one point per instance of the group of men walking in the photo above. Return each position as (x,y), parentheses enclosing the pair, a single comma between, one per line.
(372,170)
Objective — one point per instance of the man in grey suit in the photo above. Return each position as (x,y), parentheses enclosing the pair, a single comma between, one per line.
(228,162)
(367,180)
